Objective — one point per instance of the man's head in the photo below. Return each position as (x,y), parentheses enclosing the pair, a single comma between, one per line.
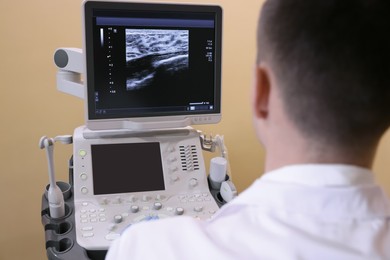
(331,62)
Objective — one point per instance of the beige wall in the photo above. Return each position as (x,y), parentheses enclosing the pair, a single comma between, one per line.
(30,106)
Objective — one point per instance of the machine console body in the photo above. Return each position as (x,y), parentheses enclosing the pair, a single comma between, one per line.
(136,177)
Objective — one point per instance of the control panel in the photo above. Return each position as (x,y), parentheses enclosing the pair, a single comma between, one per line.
(122,180)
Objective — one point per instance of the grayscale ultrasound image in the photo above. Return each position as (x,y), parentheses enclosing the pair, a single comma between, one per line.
(153,54)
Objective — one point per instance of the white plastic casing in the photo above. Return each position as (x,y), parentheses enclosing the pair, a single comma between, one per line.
(69,59)
(101,218)
(228,191)
(138,123)
(218,167)
(70,63)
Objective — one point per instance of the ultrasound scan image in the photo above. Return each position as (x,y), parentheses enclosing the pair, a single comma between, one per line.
(155,55)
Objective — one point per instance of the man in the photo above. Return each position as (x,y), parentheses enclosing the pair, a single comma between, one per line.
(321,103)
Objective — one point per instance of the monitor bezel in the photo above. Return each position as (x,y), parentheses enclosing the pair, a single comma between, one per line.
(156,121)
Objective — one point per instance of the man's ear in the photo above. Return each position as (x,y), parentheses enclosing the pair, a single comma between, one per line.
(262,88)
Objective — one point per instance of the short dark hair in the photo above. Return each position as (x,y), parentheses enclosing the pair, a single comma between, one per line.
(331,59)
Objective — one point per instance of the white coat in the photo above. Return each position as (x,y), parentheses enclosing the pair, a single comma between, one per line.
(296,212)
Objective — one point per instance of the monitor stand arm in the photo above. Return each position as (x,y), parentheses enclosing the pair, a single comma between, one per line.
(70,68)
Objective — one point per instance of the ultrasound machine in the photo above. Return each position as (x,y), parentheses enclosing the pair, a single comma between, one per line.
(147,72)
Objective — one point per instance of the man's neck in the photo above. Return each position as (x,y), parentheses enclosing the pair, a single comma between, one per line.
(280,154)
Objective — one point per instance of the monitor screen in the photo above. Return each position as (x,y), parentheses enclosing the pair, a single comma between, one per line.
(152,60)
(123,168)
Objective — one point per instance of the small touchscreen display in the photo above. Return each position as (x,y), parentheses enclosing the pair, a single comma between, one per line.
(129,167)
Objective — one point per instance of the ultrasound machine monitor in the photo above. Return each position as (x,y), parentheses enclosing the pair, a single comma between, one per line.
(152,66)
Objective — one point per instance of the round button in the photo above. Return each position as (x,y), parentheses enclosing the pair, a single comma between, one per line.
(118,219)
(117,200)
(172,158)
(103,201)
(84,190)
(132,198)
(157,206)
(160,197)
(82,152)
(174,178)
(193,182)
(111,227)
(173,169)
(198,209)
(83,176)
(134,209)
(179,211)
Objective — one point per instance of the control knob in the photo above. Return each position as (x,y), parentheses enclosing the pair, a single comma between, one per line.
(118,219)
(157,206)
(134,209)
(179,211)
